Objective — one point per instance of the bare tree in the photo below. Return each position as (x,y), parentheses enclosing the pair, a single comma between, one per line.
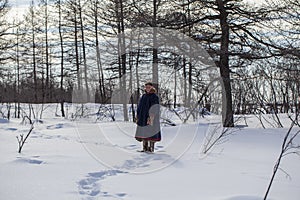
(95,8)
(5,28)
(122,54)
(72,22)
(46,89)
(288,147)
(60,26)
(80,9)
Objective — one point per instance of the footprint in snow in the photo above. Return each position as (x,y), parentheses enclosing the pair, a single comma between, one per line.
(11,129)
(32,160)
(244,197)
(91,186)
(56,126)
(131,147)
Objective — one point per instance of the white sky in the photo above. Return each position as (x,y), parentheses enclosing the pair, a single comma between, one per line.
(19,2)
(19,6)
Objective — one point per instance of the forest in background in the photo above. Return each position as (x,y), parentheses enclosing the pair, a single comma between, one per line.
(56,48)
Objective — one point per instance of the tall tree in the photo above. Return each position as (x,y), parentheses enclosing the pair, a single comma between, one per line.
(33,47)
(5,43)
(47,47)
(122,54)
(83,44)
(225,28)
(62,53)
(151,14)
(154,25)
(95,21)
(72,23)
(224,64)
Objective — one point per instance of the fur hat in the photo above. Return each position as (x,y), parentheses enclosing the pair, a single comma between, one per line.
(149,83)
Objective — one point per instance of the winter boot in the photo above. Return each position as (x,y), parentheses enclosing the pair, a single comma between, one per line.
(145,146)
(151,148)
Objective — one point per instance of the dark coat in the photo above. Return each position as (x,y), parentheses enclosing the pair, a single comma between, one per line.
(148,106)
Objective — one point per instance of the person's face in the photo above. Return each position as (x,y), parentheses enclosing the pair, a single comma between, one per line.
(148,88)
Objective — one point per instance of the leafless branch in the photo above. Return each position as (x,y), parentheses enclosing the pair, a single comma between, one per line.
(21,140)
(287,148)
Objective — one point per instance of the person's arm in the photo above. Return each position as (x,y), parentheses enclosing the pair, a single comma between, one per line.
(139,105)
(138,110)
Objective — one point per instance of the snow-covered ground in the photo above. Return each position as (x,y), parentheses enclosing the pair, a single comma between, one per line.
(81,159)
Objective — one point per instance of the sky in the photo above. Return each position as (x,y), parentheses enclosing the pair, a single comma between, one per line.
(25,3)
(19,6)
(19,2)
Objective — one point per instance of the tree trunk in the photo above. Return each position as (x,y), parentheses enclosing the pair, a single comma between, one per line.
(84,54)
(131,85)
(61,60)
(137,75)
(190,81)
(18,77)
(227,111)
(123,60)
(190,75)
(175,82)
(99,64)
(77,50)
(121,56)
(155,50)
(184,82)
(47,54)
(34,54)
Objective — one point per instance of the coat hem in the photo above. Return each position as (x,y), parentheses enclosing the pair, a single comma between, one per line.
(148,139)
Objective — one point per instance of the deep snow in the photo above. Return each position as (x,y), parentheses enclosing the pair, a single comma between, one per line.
(81,159)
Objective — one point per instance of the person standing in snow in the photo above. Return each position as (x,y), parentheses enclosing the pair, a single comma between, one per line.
(148,123)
